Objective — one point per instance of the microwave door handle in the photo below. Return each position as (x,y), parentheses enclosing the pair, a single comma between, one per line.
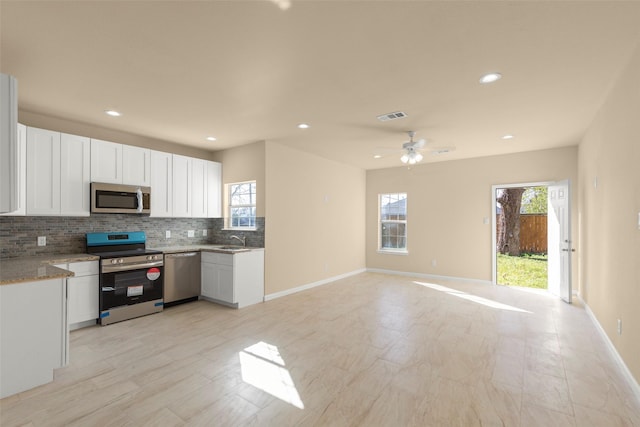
(140,205)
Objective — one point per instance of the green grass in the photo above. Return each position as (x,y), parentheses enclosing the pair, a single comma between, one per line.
(527,270)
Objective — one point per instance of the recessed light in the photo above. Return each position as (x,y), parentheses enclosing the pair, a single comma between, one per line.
(490,78)
(377,156)
(113,113)
(303,126)
(508,136)
(211,138)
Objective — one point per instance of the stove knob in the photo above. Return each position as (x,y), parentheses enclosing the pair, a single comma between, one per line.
(120,261)
(114,261)
(149,258)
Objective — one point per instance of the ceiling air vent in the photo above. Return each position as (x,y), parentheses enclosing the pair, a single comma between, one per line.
(391,116)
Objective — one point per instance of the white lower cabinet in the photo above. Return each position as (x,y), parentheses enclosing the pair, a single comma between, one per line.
(82,293)
(236,280)
(33,334)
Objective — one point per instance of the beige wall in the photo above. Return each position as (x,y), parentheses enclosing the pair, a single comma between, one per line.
(83,129)
(610,246)
(447,203)
(244,163)
(314,218)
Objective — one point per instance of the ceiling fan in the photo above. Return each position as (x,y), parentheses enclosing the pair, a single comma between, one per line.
(412,150)
(411,154)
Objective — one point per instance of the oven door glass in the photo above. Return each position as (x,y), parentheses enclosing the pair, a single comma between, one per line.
(130,287)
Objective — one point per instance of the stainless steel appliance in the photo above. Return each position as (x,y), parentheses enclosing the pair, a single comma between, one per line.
(182,277)
(131,276)
(118,198)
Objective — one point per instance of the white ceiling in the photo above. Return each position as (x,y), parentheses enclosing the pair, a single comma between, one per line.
(246,71)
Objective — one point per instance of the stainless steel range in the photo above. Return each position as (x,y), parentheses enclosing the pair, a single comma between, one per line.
(131,276)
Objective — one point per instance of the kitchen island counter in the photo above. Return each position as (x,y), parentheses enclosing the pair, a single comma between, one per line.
(30,269)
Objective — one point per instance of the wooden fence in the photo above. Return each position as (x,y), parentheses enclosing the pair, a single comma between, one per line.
(533,233)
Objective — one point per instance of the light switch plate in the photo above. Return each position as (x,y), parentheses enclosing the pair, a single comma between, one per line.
(42,240)
(191,233)
(167,234)
(204,233)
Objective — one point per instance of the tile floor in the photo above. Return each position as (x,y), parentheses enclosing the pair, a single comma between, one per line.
(369,350)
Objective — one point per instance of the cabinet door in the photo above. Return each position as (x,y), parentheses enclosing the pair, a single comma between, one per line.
(75,176)
(106,161)
(136,165)
(181,186)
(22,173)
(83,295)
(43,172)
(214,190)
(161,184)
(198,188)
(224,284)
(208,273)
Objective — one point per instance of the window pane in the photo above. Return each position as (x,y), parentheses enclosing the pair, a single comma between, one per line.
(242,205)
(393,216)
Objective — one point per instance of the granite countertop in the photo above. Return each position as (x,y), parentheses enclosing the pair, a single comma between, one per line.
(31,269)
(205,248)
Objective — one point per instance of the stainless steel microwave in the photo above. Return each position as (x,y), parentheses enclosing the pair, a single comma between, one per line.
(118,198)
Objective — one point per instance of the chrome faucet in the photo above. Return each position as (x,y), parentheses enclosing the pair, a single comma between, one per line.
(243,239)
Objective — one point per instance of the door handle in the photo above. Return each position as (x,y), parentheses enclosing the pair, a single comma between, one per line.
(567,250)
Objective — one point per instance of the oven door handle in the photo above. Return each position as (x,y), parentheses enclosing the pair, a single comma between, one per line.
(116,267)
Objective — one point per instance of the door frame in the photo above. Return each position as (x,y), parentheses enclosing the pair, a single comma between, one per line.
(494,225)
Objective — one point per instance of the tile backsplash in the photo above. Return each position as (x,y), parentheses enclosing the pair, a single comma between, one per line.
(19,234)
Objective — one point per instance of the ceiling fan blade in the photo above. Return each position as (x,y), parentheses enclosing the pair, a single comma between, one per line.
(419,143)
(437,151)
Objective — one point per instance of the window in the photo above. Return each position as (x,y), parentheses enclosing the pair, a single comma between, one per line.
(242,205)
(392,236)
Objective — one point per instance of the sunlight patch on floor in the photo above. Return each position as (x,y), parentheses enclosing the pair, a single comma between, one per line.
(263,367)
(473,298)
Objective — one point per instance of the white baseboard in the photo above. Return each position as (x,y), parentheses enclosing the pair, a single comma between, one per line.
(635,387)
(312,285)
(428,276)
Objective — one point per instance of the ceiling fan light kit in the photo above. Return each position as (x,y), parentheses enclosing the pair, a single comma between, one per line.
(411,155)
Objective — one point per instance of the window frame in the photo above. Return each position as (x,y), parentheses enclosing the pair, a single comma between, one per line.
(394,251)
(230,206)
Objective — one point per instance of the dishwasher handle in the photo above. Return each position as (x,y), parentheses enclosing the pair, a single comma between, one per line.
(181,255)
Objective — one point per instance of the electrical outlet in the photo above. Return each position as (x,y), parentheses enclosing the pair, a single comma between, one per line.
(619,326)
(204,233)
(167,234)
(191,233)
(42,240)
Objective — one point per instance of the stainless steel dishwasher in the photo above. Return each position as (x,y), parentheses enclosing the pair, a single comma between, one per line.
(181,277)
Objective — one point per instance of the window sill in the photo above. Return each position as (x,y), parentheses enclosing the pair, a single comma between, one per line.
(239,229)
(393,252)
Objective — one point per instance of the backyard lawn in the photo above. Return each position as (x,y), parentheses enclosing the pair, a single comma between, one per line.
(529,270)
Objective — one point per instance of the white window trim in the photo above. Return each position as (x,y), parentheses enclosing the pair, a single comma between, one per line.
(227,218)
(392,251)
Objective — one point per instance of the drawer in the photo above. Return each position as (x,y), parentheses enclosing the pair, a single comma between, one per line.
(84,268)
(217,258)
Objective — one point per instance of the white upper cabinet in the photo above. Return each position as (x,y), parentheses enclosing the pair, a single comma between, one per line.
(9,184)
(43,172)
(136,165)
(106,161)
(58,175)
(214,190)
(198,188)
(75,176)
(120,164)
(181,186)
(161,184)
(22,173)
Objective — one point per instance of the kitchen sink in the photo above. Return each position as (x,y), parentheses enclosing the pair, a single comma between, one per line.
(232,248)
